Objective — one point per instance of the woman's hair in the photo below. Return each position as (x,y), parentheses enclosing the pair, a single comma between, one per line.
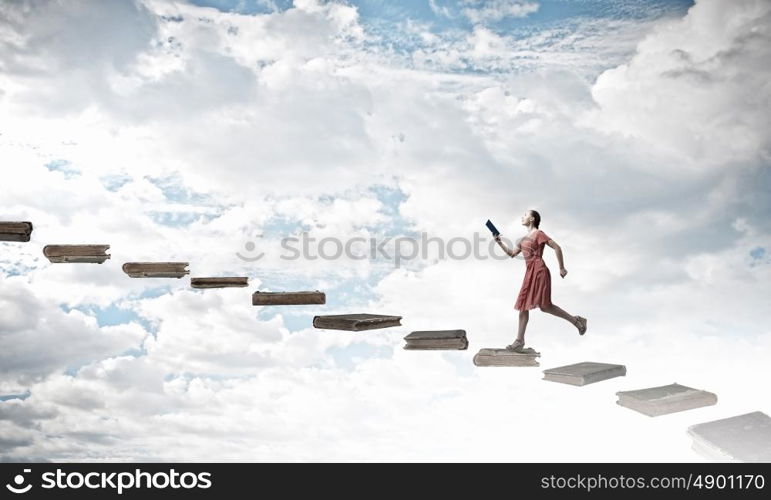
(536,217)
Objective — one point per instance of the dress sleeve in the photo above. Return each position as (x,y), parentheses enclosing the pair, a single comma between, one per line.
(541,238)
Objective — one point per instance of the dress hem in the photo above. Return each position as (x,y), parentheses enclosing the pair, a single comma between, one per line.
(532,307)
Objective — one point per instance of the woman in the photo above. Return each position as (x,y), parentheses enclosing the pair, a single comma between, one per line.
(536,287)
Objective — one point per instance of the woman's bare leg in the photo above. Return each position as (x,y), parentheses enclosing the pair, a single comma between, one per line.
(523,317)
(558,311)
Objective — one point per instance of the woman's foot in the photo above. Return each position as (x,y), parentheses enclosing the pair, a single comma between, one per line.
(517,346)
(580,323)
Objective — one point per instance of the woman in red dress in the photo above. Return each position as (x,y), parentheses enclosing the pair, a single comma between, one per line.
(536,287)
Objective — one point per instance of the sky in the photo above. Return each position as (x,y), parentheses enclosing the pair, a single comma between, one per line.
(210,131)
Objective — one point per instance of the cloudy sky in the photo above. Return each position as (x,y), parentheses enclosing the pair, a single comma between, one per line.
(208,131)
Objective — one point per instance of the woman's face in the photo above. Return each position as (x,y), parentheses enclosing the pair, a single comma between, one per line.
(527,218)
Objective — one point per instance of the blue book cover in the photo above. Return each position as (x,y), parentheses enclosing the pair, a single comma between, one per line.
(492,228)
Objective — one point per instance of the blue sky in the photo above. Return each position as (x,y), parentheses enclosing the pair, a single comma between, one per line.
(389,20)
(549,11)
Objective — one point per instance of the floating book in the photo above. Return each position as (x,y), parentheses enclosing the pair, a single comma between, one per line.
(355,322)
(15,231)
(93,254)
(156,269)
(584,373)
(665,399)
(288,298)
(744,438)
(437,340)
(506,357)
(219,282)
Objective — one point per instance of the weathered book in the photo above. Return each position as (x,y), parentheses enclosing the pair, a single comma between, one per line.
(665,399)
(743,438)
(505,357)
(15,231)
(288,298)
(355,322)
(93,254)
(584,373)
(437,340)
(156,269)
(219,282)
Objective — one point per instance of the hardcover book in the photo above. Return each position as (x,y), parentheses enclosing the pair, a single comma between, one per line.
(506,357)
(492,228)
(356,322)
(156,269)
(94,254)
(288,298)
(15,231)
(584,373)
(219,282)
(665,399)
(743,438)
(437,340)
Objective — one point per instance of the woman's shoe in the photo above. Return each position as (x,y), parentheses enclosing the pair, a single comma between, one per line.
(581,324)
(517,346)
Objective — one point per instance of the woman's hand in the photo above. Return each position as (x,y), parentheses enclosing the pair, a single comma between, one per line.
(563,272)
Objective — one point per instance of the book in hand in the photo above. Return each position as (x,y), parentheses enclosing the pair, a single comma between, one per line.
(492,228)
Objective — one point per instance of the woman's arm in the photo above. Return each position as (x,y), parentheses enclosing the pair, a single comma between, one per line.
(510,253)
(558,251)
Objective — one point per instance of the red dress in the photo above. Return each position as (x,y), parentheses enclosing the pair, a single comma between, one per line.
(536,287)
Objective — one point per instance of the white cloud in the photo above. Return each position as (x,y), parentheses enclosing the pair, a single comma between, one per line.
(480,11)
(38,339)
(439,10)
(707,74)
(55,65)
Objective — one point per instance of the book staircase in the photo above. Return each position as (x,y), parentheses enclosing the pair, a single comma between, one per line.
(741,438)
